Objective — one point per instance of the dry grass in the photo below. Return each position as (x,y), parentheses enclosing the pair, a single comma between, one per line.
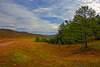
(27,53)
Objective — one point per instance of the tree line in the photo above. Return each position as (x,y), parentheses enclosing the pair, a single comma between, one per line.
(41,40)
(84,27)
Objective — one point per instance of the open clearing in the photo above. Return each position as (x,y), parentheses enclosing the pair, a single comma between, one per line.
(27,53)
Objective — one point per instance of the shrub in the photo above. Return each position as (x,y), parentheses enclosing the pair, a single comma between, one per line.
(37,39)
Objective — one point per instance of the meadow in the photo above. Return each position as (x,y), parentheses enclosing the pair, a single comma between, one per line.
(76,44)
(28,53)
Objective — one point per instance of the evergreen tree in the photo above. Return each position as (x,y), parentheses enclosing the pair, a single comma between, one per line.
(98,28)
(61,28)
(59,42)
(83,28)
(69,33)
(83,16)
(37,39)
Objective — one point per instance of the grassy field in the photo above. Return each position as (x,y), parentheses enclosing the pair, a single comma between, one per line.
(27,53)
(23,51)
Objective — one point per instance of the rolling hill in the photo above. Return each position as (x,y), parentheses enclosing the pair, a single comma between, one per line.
(8,33)
(18,49)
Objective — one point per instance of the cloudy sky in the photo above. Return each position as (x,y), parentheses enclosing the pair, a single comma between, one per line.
(40,16)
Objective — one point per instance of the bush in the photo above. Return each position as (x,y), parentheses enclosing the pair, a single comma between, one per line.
(44,40)
(37,39)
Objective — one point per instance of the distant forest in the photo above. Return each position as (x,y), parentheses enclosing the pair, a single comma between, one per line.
(84,27)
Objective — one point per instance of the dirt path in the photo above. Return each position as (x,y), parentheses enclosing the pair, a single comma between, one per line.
(7,43)
(3,40)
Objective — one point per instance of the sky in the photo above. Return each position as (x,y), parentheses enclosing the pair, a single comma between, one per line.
(40,16)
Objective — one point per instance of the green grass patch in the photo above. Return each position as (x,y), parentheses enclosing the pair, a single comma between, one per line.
(18,58)
(97,45)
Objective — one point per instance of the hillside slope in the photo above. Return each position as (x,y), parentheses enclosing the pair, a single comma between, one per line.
(7,33)
(27,53)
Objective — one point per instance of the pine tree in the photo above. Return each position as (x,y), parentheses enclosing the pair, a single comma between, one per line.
(83,28)
(37,39)
(83,16)
(69,33)
(59,42)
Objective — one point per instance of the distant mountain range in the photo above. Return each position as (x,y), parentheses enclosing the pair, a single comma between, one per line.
(11,33)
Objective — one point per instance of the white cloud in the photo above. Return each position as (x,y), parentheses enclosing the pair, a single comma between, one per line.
(95,4)
(85,1)
(62,9)
(42,10)
(20,16)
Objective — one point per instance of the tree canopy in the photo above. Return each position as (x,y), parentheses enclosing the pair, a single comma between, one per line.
(83,28)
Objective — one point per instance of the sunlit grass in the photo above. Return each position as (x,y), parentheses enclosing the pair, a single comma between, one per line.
(27,53)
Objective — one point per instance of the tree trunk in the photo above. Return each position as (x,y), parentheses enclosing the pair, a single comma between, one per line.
(85,44)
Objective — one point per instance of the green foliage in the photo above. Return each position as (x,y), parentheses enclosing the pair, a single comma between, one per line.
(85,16)
(56,39)
(83,28)
(18,58)
(41,40)
(44,40)
(37,39)
(61,28)
(97,34)
(59,42)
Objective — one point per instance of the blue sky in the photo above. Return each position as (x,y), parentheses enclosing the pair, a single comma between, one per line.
(40,16)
